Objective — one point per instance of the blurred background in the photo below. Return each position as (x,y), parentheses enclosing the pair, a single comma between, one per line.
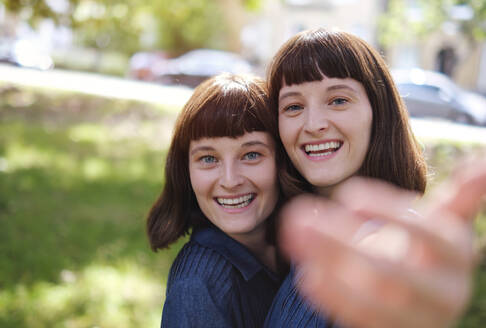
(89,90)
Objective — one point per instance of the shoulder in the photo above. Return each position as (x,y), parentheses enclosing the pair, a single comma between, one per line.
(199,289)
(191,291)
(191,303)
(289,309)
(200,265)
(199,260)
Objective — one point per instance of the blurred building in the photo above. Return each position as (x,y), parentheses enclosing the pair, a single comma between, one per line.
(447,50)
(280,19)
(257,35)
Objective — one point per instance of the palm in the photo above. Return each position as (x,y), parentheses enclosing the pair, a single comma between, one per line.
(413,271)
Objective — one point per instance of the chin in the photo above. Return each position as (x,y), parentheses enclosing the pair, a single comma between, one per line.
(239,230)
(320,182)
(324,183)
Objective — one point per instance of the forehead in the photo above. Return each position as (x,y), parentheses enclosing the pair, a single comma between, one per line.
(230,143)
(326,84)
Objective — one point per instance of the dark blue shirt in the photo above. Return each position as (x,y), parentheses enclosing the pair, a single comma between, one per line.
(216,282)
(289,309)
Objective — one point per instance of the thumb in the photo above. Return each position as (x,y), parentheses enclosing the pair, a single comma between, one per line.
(466,190)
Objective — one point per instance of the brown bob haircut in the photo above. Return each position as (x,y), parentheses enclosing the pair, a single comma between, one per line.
(393,154)
(224,106)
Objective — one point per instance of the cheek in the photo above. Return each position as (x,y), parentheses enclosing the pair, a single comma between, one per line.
(368,123)
(199,182)
(268,181)
(362,126)
(368,118)
(263,175)
(364,147)
(286,132)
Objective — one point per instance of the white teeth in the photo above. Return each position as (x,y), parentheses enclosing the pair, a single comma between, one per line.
(323,146)
(320,154)
(235,202)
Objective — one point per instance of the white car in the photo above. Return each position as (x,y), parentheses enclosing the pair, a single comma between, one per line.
(195,66)
(25,53)
(432,94)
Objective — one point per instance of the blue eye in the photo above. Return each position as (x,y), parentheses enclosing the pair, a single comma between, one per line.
(339,101)
(252,155)
(292,108)
(208,159)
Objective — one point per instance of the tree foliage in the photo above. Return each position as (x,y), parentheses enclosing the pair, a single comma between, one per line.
(130,25)
(184,25)
(476,27)
(404,22)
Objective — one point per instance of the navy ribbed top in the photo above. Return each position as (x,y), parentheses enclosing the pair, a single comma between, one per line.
(216,282)
(289,309)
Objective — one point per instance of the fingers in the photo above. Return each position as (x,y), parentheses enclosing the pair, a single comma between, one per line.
(362,270)
(309,212)
(427,286)
(463,194)
(360,289)
(446,238)
(358,190)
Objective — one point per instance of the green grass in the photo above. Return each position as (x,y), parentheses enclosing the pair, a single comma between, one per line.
(77,177)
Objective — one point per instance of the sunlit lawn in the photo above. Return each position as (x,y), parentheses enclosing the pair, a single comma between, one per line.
(77,177)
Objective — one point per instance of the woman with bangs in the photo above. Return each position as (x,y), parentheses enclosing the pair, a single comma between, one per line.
(360,253)
(221,187)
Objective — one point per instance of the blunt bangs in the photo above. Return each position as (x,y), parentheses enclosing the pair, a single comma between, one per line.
(304,59)
(229,106)
(226,105)
(230,114)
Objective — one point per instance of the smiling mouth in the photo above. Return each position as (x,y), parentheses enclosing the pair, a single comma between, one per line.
(236,202)
(323,149)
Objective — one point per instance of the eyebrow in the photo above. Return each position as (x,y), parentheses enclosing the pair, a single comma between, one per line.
(288,94)
(201,148)
(331,88)
(341,86)
(246,144)
(254,143)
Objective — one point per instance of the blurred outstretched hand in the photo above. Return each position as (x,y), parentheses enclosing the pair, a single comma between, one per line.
(413,269)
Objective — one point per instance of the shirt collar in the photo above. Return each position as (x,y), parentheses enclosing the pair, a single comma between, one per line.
(237,254)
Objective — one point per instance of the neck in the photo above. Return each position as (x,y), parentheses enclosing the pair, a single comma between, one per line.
(257,244)
(324,191)
(327,191)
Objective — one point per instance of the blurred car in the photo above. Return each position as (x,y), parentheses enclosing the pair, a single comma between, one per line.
(195,66)
(144,65)
(432,94)
(25,53)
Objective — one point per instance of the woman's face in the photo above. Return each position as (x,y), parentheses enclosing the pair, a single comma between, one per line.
(235,181)
(325,127)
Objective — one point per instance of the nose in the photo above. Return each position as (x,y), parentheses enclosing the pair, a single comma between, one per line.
(316,120)
(231,176)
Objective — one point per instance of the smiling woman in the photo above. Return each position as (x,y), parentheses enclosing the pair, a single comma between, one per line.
(371,256)
(221,183)
(226,176)
(324,120)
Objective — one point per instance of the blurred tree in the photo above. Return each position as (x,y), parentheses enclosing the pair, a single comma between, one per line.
(476,26)
(405,20)
(189,24)
(130,25)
